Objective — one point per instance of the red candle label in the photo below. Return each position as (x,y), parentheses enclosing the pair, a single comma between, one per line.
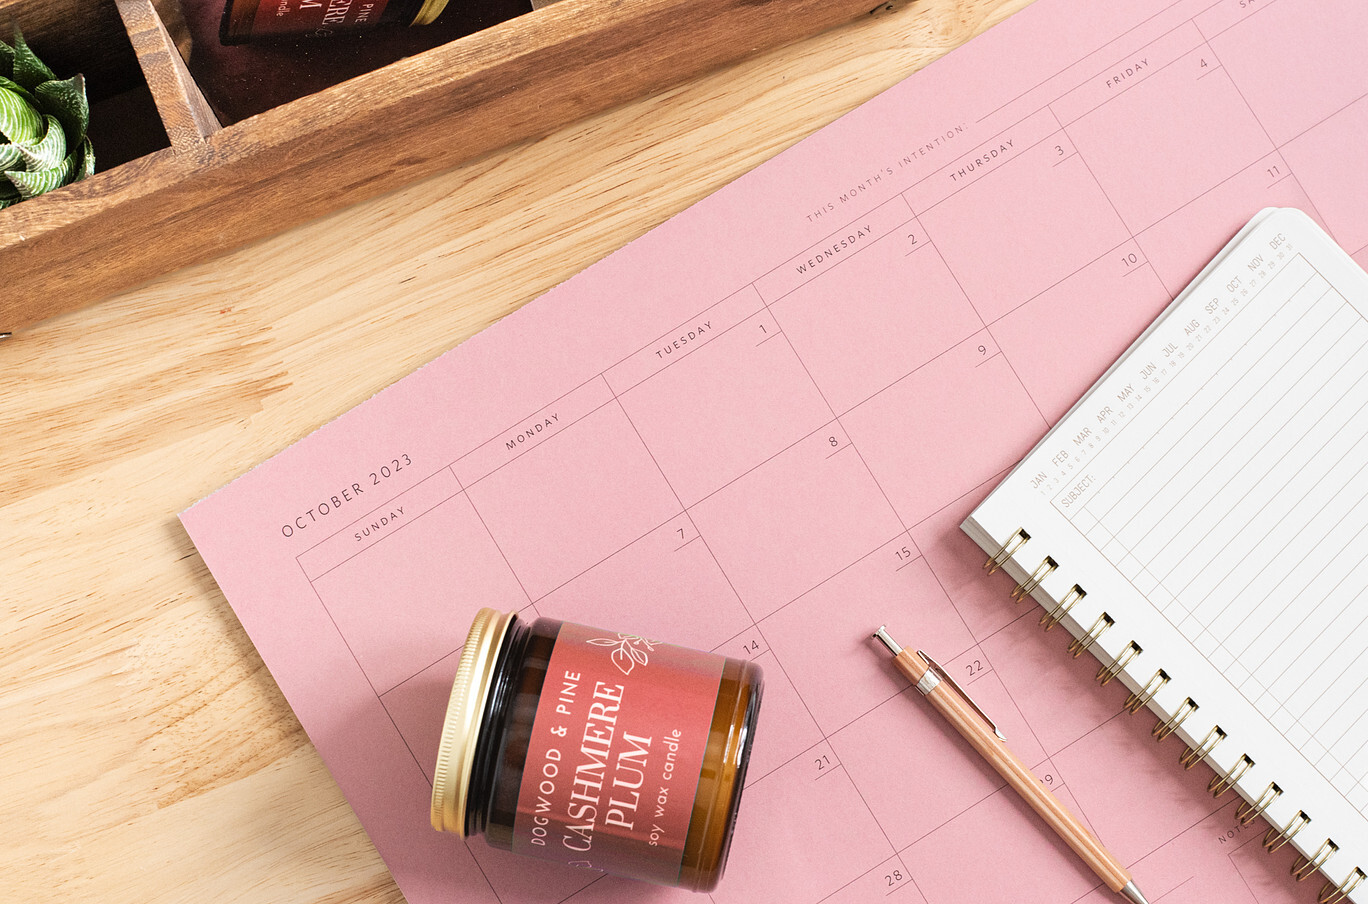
(318,17)
(617,747)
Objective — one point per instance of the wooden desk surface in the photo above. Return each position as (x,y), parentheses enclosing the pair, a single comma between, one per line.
(146,755)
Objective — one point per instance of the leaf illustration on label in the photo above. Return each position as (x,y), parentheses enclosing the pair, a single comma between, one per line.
(629,650)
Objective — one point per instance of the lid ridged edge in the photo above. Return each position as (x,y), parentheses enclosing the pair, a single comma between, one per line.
(461,727)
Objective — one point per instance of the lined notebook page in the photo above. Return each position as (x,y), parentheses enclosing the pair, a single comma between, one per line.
(1210,494)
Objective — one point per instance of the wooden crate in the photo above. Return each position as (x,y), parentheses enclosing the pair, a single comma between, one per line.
(215,187)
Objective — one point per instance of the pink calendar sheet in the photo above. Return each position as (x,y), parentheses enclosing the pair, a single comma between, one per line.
(756,430)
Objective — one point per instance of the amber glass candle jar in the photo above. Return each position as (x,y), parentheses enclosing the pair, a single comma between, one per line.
(249,20)
(602,750)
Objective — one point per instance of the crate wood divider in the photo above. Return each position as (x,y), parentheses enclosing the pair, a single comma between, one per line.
(185,113)
(217,187)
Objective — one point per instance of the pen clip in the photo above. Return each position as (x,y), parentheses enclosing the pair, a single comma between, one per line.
(943,675)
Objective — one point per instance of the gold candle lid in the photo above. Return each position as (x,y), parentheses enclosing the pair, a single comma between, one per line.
(465,709)
(430,10)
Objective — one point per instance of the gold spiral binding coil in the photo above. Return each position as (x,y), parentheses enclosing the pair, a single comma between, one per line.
(1006,550)
(1194,755)
(1252,810)
(1275,838)
(1081,644)
(1222,783)
(1141,698)
(1303,867)
(1028,586)
(1331,893)
(1051,618)
(1118,665)
(1162,730)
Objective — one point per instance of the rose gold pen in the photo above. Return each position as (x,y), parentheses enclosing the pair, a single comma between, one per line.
(976,728)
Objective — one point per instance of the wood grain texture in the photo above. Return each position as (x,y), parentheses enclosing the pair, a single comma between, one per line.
(146,755)
(517,80)
(185,113)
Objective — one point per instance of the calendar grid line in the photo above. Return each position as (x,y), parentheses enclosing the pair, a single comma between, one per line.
(972,182)
(888,502)
(1117,38)
(949,819)
(791,445)
(1059,282)
(374,693)
(979,643)
(1252,14)
(361,551)
(873,477)
(1253,113)
(1123,91)
(770,302)
(683,324)
(915,216)
(1063,128)
(873,869)
(372,511)
(756,623)
(751,781)
(589,884)
(906,532)
(731,442)
(484,875)
(997,790)
(1217,807)
(684,509)
(752,286)
(495,540)
(891,846)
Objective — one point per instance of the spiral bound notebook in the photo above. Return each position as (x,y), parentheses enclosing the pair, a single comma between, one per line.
(1199,522)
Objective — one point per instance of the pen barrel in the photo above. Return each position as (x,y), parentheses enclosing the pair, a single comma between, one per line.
(973,729)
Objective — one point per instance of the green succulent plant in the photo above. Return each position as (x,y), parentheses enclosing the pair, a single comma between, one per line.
(43,119)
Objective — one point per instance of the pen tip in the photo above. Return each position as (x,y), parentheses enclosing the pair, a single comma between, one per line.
(881,635)
(1131,893)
